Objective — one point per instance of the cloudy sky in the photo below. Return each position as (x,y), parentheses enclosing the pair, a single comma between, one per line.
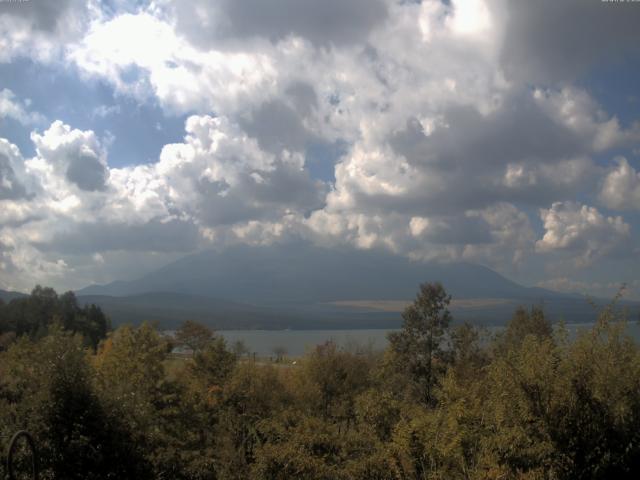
(505,133)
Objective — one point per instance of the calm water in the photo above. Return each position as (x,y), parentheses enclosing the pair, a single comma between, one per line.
(297,342)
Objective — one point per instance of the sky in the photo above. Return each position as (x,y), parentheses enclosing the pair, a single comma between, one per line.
(503,133)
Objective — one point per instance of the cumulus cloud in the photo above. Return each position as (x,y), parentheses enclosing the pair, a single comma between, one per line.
(222,176)
(621,187)
(500,235)
(578,112)
(583,232)
(10,185)
(11,107)
(339,22)
(453,123)
(39,28)
(160,62)
(217,184)
(76,154)
(422,107)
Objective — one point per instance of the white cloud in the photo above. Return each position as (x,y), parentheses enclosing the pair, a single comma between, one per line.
(104,111)
(69,159)
(217,184)
(580,113)
(11,173)
(39,28)
(444,146)
(500,236)
(621,187)
(583,232)
(161,63)
(11,107)
(512,237)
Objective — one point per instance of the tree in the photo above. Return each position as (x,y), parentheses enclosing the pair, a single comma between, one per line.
(522,324)
(329,380)
(240,348)
(211,366)
(419,343)
(467,354)
(194,335)
(131,381)
(46,387)
(280,352)
(34,316)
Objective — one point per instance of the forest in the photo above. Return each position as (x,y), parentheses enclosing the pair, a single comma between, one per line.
(443,401)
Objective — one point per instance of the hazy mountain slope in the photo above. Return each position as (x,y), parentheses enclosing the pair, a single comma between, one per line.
(171,309)
(303,274)
(310,287)
(8,296)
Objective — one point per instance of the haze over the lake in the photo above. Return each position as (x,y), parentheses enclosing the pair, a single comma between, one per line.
(502,133)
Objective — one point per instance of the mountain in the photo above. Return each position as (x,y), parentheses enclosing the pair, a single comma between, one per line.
(7,296)
(311,287)
(279,275)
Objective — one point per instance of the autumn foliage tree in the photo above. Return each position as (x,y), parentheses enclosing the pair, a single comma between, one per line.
(533,402)
(194,335)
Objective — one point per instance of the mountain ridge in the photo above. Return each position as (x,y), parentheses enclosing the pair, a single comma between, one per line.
(268,275)
(7,295)
(301,286)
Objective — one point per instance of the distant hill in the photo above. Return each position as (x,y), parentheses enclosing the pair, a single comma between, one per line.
(311,287)
(7,296)
(169,310)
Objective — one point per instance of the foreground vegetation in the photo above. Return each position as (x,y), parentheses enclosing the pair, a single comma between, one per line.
(439,403)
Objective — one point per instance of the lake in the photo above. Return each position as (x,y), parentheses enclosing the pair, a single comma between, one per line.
(297,342)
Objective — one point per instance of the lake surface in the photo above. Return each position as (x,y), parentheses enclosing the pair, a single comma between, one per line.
(297,342)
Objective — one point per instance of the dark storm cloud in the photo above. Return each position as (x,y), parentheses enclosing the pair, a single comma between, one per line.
(325,22)
(551,40)
(6,263)
(304,97)
(154,236)
(87,173)
(10,187)
(276,192)
(518,130)
(44,15)
(470,158)
(277,126)
(458,230)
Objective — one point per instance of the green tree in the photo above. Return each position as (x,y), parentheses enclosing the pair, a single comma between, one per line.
(46,387)
(523,323)
(419,344)
(468,356)
(131,380)
(328,381)
(34,315)
(210,367)
(252,394)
